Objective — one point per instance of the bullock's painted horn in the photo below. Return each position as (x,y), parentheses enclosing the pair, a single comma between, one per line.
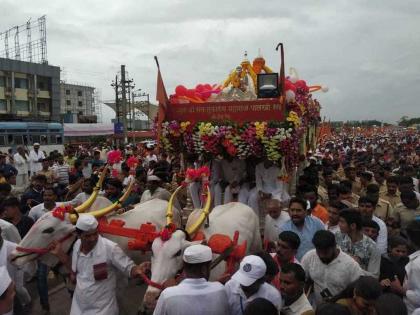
(169,210)
(86,205)
(204,214)
(116,205)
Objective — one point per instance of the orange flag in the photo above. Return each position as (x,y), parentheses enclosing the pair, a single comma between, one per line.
(162,99)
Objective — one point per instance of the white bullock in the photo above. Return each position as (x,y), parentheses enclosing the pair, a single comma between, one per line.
(49,228)
(224,219)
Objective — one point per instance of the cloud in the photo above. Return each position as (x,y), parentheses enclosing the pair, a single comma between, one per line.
(365,51)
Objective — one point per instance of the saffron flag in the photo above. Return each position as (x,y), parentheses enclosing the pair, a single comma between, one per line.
(162,99)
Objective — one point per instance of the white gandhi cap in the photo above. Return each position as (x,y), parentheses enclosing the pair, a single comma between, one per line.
(86,223)
(250,270)
(4,280)
(197,254)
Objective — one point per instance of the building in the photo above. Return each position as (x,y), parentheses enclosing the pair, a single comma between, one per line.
(77,103)
(29,91)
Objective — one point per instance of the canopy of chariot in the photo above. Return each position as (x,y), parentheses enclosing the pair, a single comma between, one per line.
(255,112)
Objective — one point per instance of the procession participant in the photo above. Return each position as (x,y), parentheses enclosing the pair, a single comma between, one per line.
(327,180)
(49,197)
(10,211)
(267,184)
(406,185)
(392,195)
(366,178)
(371,229)
(383,209)
(154,191)
(22,165)
(412,279)
(366,291)
(310,194)
(248,283)
(7,292)
(47,171)
(233,174)
(195,294)
(334,209)
(292,282)
(407,210)
(260,306)
(286,249)
(392,272)
(350,172)
(353,242)
(114,191)
(379,176)
(272,266)
(87,190)
(304,225)
(93,265)
(345,194)
(274,219)
(35,158)
(33,196)
(6,168)
(367,208)
(328,268)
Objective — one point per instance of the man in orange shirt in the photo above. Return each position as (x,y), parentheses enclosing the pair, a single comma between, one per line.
(310,193)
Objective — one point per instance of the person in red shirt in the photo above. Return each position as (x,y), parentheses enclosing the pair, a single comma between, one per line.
(287,247)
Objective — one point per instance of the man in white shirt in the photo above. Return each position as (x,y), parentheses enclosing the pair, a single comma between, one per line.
(412,279)
(233,175)
(330,269)
(87,190)
(274,219)
(35,158)
(21,163)
(248,283)
(93,265)
(195,294)
(367,207)
(49,204)
(267,182)
(154,191)
(292,281)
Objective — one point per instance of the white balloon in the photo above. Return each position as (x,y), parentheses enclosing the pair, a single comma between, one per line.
(324,88)
(290,95)
(293,78)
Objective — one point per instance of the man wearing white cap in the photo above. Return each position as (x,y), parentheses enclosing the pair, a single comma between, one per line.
(248,283)
(35,158)
(195,294)
(7,292)
(154,191)
(94,263)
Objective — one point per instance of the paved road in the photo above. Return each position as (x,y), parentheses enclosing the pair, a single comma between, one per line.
(60,300)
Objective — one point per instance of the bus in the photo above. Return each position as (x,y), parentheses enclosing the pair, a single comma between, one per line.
(49,135)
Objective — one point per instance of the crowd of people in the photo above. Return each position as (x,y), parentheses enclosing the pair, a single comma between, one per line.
(342,237)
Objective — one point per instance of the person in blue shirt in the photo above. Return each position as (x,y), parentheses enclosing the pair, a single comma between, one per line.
(303,224)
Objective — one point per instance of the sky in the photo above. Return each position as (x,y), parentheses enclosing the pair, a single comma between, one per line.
(366,52)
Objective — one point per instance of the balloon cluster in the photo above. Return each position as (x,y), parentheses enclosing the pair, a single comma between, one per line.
(293,86)
(199,94)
